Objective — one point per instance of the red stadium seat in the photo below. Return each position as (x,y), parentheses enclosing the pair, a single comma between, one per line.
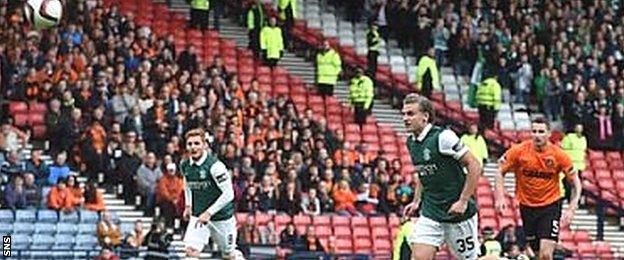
(263,219)
(241,217)
(382,245)
(344,246)
(602,174)
(592,155)
(321,221)
(36,119)
(380,233)
(377,221)
(487,213)
(606,184)
(599,164)
(20,119)
(302,220)
(488,222)
(361,232)
(340,220)
(393,221)
(282,219)
(39,131)
(362,246)
(342,232)
(323,232)
(603,248)
(585,248)
(359,222)
(17,107)
(566,236)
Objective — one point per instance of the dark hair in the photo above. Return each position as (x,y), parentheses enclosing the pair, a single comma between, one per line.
(541,120)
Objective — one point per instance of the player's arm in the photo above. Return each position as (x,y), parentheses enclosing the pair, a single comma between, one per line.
(413,206)
(221,176)
(505,164)
(572,175)
(450,145)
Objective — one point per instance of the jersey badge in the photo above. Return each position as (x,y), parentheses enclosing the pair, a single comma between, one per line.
(427,154)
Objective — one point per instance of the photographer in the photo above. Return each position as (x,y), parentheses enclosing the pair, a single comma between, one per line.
(157,241)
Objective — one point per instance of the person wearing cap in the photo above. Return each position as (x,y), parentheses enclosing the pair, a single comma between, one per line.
(361,96)
(328,68)
(169,191)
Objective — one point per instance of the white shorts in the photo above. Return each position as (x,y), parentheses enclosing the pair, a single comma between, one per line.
(462,238)
(223,231)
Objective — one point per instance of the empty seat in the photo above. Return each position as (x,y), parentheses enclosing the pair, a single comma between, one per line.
(20,241)
(377,221)
(24,228)
(344,246)
(66,228)
(6,216)
(85,242)
(64,240)
(302,220)
(342,232)
(84,228)
(321,221)
(25,215)
(282,219)
(42,242)
(361,232)
(68,217)
(359,221)
(45,228)
(323,231)
(87,216)
(340,220)
(47,215)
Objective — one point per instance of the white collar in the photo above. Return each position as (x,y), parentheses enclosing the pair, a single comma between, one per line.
(201,160)
(424,132)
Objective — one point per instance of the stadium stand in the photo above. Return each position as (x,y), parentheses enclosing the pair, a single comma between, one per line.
(354,234)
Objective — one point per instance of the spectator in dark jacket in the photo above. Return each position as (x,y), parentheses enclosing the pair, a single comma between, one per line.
(311,242)
(37,166)
(14,195)
(157,241)
(32,190)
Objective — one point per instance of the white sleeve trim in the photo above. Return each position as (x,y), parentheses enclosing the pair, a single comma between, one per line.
(222,178)
(449,144)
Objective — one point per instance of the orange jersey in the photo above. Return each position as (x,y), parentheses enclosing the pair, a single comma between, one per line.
(537,173)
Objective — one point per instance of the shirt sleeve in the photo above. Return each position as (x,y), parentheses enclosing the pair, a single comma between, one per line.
(221,176)
(507,161)
(450,145)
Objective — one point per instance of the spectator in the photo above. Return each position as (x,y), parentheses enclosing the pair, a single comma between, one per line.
(32,190)
(108,232)
(289,239)
(134,240)
(373,42)
(476,143)
(268,234)
(516,253)
(12,138)
(328,69)
(427,76)
(618,126)
(61,198)
(12,166)
(250,201)
(327,201)
(107,254)
(490,246)
(126,169)
(93,199)
(37,166)
(311,205)
(168,192)
(488,99)
(267,197)
(14,195)
(157,241)
(75,190)
(148,175)
(361,96)
(523,79)
(255,21)
(272,43)
(59,170)
(199,14)
(248,234)
(366,199)
(344,198)
(311,242)
(575,145)
(289,200)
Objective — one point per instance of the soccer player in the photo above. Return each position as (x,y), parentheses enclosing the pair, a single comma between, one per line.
(536,164)
(209,198)
(446,182)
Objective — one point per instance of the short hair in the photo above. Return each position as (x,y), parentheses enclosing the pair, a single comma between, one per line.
(195,132)
(541,120)
(424,104)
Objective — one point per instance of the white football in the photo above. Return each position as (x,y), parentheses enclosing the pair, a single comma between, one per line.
(43,14)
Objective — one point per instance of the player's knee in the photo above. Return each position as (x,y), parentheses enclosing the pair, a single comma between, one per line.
(545,254)
(420,255)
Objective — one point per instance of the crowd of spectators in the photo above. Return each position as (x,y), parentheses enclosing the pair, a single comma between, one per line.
(119,98)
(561,58)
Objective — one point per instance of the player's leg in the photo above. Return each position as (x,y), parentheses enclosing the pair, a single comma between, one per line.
(224,233)
(548,230)
(426,238)
(529,218)
(195,238)
(463,238)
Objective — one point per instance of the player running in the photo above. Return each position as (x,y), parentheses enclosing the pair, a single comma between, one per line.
(536,164)
(448,211)
(209,198)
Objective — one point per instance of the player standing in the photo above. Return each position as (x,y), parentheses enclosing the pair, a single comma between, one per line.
(536,164)
(448,211)
(209,198)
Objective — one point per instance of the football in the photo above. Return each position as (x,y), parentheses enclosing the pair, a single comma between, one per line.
(43,14)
